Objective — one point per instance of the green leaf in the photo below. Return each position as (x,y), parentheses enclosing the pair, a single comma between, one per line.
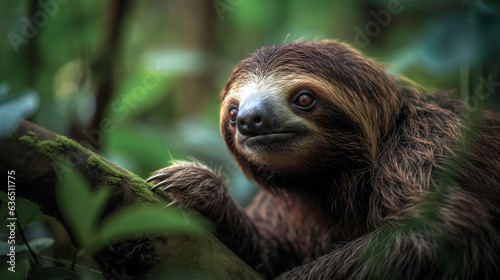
(27,211)
(51,273)
(132,221)
(80,208)
(40,244)
(62,262)
(37,245)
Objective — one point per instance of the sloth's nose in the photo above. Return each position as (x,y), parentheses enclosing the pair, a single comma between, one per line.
(254,118)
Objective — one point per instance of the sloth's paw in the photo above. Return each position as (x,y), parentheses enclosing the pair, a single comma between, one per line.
(192,185)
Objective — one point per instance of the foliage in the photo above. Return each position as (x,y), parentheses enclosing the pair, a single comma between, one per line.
(168,60)
(30,214)
(82,211)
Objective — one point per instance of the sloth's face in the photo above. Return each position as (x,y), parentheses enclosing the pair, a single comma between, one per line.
(303,103)
(271,121)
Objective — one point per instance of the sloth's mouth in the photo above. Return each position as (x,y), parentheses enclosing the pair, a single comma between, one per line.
(272,141)
(269,138)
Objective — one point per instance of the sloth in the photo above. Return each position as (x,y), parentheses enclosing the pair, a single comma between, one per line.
(362,175)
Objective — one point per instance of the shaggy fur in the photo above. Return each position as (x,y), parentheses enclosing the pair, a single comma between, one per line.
(386,182)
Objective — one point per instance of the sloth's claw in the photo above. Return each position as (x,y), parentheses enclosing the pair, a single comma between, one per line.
(173,203)
(157,176)
(167,187)
(162,183)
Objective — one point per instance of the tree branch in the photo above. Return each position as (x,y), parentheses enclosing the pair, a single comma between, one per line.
(36,155)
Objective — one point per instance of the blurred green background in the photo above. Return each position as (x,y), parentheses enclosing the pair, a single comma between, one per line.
(138,81)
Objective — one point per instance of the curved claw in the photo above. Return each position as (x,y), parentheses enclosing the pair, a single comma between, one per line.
(167,187)
(157,176)
(162,183)
(174,203)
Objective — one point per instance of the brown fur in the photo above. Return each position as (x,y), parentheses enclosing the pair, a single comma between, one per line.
(394,185)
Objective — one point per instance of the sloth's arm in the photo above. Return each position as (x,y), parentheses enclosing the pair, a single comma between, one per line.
(195,186)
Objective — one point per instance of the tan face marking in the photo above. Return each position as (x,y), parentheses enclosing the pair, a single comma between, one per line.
(277,90)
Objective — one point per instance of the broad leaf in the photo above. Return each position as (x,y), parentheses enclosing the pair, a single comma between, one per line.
(27,211)
(40,244)
(80,208)
(132,221)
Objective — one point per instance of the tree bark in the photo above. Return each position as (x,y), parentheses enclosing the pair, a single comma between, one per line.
(36,155)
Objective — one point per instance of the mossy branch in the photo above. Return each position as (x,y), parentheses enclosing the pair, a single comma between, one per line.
(37,155)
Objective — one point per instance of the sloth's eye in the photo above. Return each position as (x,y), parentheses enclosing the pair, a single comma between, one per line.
(232,115)
(304,100)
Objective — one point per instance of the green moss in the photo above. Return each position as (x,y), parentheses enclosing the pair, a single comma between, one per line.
(96,162)
(47,148)
(70,143)
(109,180)
(55,150)
(50,149)
(29,139)
(112,176)
(141,189)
